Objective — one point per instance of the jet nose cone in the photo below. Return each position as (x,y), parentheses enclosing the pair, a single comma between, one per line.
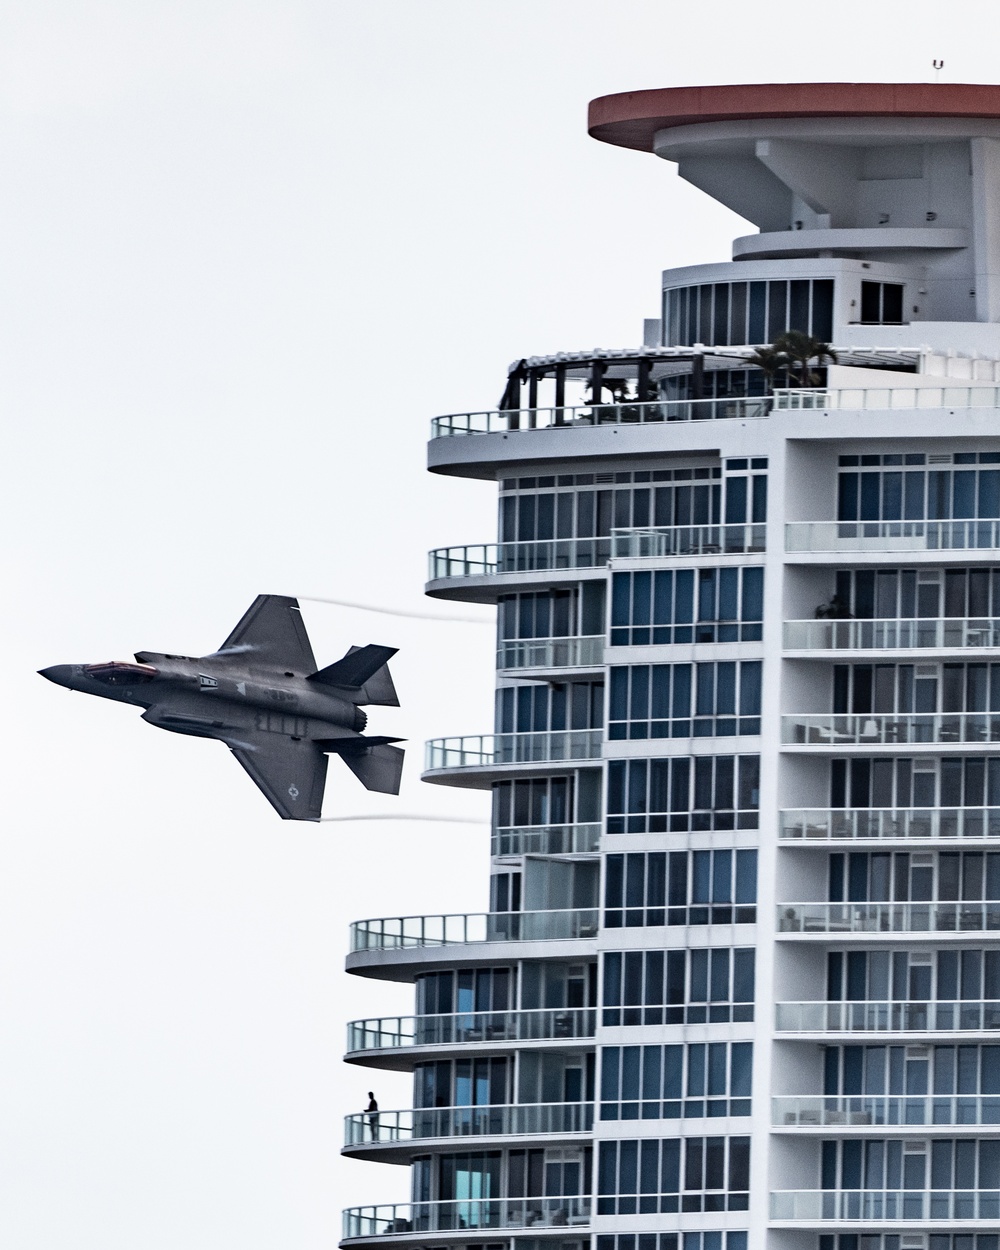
(61,674)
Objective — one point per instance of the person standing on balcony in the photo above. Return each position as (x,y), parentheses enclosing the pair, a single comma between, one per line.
(372,1112)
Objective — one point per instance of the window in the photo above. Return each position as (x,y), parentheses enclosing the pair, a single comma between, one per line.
(936,978)
(538,707)
(906,594)
(881,303)
(715,699)
(942,1163)
(891,1241)
(676,1174)
(710,1240)
(916,688)
(948,876)
(681,887)
(923,782)
(667,1082)
(552,613)
(722,313)
(946,1070)
(960,486)
(687,605)
(462,1083)
(689,986)
(680,794)
(468,990)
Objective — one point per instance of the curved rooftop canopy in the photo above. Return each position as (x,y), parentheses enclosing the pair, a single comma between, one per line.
(631,119)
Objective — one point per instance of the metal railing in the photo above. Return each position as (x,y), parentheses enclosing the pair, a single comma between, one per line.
(890,635)
(892,536)
(886,398)
(658,542)
(567,417)
(581,652)
(465,1214)
(832,824)
(462,1028)
(578,839)
(405,932)
(952,1110)
(485,750)
(932,917)
(518,1119)
(530,556)
(942,1016)
(885,1204)
(872,729)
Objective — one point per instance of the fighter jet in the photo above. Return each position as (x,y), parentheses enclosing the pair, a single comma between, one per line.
(262,695)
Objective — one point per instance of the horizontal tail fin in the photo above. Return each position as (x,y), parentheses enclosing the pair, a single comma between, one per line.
(379,767)
(363,669)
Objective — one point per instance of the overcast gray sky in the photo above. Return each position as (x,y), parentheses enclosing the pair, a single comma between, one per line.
(247,250)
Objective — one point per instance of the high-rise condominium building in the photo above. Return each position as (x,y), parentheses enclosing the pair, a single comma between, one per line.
(739,985)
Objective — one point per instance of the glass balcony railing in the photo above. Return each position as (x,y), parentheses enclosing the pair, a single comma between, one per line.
(468,1215)
(486,750)
(579,839)
(864,729)
(520,1119)
(885,1204)
(573,417)
(877,822)
(886,398)
(972,1015)
(405,932)
(885,1110)
(556,554)
(584,652)
(840,918)
(687,540)
(891,635)
(462,1028)
(891,536)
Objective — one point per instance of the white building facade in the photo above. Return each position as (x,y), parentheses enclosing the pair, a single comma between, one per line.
(740,981)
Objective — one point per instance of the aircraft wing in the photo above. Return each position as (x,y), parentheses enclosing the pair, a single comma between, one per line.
(291,775)
(273,627)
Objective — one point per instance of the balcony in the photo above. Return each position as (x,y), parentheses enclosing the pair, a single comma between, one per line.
(886,398)
(578,839)
(952,633)
(561,555)
(394,1128)
(490,1028)
(489,750)
(588,415)
(891,728)
(408,932)
(900,1205)
(467,1216)
(967,1016)
(862,824)
(843,918)
(886,1110)
(583,652)
(892,537)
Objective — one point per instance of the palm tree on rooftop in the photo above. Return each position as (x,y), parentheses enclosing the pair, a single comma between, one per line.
(803,349)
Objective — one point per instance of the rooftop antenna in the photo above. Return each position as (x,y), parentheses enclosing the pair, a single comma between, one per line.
(938,67)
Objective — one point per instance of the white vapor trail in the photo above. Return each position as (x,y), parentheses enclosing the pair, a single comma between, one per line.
(420,616)
(438,820)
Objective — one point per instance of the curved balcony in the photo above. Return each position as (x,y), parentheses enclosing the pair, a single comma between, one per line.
(883,1111)
(479,759)
(900,1205)
(467,1216)
(394,1038)
(967,1016)
(822,919)
(919,634)
(891,824)
(890,728)
(407,932)
(891,537)
(376,1134)
(504,421)
(577,839)
(582,652)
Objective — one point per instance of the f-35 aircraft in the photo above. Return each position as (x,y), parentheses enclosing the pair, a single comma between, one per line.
(262,695)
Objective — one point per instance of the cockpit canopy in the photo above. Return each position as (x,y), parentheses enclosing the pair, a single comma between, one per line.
(120,673)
